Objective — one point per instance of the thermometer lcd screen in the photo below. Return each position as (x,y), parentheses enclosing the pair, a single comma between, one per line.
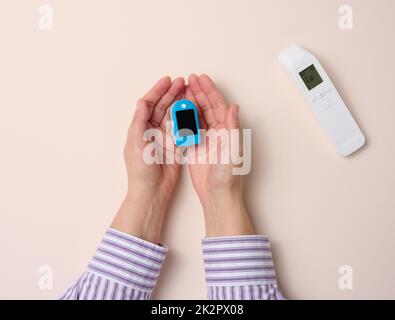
(186,122)
(310,77)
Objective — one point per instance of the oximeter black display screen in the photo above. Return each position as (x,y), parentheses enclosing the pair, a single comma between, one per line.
(186,122)
(310,77)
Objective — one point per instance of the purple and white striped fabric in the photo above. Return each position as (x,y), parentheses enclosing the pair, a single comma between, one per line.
(240,268)
(127,268)
(123,268)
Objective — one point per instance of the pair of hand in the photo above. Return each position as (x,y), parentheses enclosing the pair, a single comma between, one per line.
(150,185)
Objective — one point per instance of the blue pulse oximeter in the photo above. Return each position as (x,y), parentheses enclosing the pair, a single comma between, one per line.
(185,120)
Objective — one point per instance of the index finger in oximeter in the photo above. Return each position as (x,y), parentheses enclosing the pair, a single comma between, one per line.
(185,121)
(323,99)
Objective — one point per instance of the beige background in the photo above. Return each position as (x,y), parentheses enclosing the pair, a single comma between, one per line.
(67,96)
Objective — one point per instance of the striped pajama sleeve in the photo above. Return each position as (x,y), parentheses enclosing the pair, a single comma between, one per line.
(240,268)
(123,268)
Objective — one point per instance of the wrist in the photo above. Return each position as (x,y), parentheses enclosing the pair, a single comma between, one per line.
(225,214)
(140,216)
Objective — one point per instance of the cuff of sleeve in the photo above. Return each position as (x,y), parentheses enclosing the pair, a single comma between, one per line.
(238,261)
(128,260)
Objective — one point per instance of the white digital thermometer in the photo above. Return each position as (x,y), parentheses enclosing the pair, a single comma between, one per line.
(323,99)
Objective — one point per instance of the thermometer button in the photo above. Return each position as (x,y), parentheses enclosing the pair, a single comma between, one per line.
(321,95)
(318,96)
(325,103)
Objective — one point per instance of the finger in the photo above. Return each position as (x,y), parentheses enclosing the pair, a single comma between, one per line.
(142,113)
(203,102)
(157,91)
(177,86)
(145,105)
(180,95)
(217,101)
(164,124)
(232,117)
(166,119)
(233,123)
(189,96)
(140,122)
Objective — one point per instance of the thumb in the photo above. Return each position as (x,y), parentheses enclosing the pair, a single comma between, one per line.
(232,117)
(140,122)
(233,124)
(141,117)
(142,112)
